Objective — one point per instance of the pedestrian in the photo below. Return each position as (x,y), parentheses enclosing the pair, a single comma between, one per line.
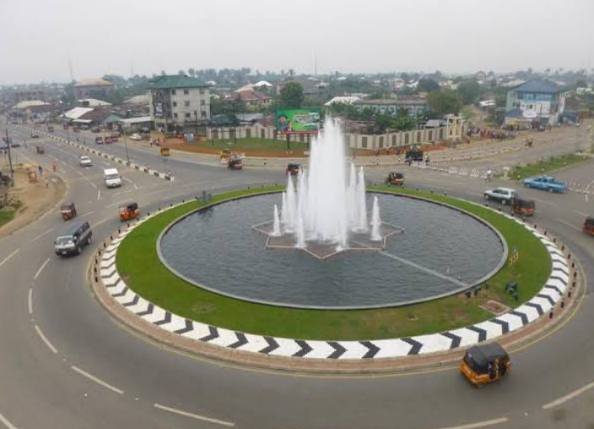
(488,175)
(40,169)
(54,166)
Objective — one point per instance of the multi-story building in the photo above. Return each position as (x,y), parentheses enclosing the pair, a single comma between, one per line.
(535,101)
(393,106)
(179,101)
(92,88)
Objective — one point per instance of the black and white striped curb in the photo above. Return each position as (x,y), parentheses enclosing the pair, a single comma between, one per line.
(541,305)
(141,168)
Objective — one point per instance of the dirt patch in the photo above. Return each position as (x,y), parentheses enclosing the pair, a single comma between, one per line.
(35,199)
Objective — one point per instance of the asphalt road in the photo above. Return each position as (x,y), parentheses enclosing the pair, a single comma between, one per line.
(65,363)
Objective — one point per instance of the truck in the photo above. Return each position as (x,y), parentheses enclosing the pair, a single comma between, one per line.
(545,183)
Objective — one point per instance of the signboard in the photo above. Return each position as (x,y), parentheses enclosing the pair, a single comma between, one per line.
(161,103)
(297,121)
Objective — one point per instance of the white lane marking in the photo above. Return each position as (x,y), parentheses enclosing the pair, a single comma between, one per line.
(194,416)
(45,340)
(132,182)
(41,269)
(5,260)
(569,396)
(569,225)
(97,380)
(96,224)
(6,423)
(30,301)
(482,424)
(87,213)
(92,184)
(581,213)
(98,194)
(544,202)
(37,237)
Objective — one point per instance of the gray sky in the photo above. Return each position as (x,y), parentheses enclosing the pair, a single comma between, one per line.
(38,37)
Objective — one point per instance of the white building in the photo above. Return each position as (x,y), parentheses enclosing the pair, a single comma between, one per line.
(179,101)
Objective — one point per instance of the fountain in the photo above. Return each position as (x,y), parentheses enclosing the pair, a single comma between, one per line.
(324,211)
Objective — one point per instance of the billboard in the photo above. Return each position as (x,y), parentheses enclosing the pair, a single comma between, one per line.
(294,121)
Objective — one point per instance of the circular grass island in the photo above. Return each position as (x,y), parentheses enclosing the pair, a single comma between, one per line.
(140,266)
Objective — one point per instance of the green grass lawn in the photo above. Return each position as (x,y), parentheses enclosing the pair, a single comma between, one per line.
(256,144)
(6,215)
(138,264)
(547,165)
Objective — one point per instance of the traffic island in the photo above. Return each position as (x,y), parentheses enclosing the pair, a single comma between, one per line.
(147,296)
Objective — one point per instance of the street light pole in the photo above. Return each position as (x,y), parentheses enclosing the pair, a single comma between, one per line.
(9,157)
(126,145)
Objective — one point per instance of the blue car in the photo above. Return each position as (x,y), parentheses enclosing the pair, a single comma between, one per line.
(545,183)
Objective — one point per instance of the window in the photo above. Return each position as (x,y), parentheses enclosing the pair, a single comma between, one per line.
(173,92)
(174,104)
(188,116)
(187,103)
(186,92)
(175,115)
(394,140)
(430,135)
(202,102)
(418,136)
(203,114)
(381,142)
(201,91)
(364,142)
(406,138)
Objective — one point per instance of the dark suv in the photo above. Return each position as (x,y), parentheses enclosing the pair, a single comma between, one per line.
(73,240)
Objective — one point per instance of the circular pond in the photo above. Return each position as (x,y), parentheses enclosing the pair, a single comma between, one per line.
(440,252)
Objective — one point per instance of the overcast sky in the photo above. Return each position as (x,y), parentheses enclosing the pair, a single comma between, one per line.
(39,37)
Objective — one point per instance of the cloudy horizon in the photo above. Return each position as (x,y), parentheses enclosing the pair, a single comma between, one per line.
(41,39)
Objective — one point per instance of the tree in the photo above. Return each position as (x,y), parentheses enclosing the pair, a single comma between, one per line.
(444,101)
(192,72)
(291,95)
(427,85)
(469,91)
(581,83)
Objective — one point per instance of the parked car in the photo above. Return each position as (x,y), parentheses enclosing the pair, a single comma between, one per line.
(135,136)
(293,169)
(73,240)
(503,195)
(95,130)
(85,161)
(99,140)
(545,183)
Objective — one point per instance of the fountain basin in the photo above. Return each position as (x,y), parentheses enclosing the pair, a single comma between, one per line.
(217,249)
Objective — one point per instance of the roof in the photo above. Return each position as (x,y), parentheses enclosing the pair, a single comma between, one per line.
(542,86)
(249,117)
(139,99)
(433,123)
(175,81)
(93,102)
(93,82)
(483,354)
(137,120)
(30,103)
(77,112)
(252,96)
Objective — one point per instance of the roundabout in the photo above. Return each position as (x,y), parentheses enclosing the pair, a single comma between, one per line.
(168,302)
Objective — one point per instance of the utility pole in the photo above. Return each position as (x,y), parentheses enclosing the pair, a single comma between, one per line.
(9,158)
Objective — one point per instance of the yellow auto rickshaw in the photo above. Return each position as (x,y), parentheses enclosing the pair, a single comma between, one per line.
(485,363)
(129,211)
(395,178)
(164,151)
(68,211)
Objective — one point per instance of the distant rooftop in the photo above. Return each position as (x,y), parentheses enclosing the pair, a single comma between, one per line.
(93,82)
(175,81)
(393,102)
(542,86)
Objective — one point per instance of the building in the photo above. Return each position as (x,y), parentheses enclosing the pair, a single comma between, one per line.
(252,99)
(394,106)
(179,101)
(92,88)
(535,101)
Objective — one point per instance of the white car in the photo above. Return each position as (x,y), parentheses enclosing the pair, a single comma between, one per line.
(112,178)
(503,195)
(85,161)
(135,136)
